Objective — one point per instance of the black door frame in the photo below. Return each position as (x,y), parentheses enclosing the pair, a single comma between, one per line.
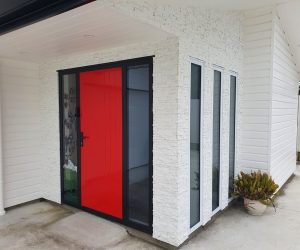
(124,64)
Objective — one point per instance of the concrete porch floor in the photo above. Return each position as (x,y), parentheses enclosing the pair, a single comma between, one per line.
(43,225)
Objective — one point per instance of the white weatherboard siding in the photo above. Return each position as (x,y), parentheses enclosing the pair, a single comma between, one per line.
(284,107)
(256,92)
(19,85)
(269,98)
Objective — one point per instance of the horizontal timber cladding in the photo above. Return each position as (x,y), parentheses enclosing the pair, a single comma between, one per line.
(19,89)
(255,102)
(284,107)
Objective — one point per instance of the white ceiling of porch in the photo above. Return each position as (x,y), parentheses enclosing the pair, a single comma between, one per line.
(225,4)
(88,28)
(94,27)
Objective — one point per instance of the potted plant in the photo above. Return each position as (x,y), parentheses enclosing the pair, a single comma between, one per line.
(257,189)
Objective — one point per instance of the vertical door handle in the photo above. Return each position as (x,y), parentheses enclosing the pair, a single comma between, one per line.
(82,138)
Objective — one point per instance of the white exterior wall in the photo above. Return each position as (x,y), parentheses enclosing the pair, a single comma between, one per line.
(269,98)
(256,92)
(171,167)
(19,84)
(165,126)
(221,51)
(215,38)
(171,112)
(284,91)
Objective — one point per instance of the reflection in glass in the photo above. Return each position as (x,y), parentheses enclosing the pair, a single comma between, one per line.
(70,160)
(195,144)
(232,133)
(138,144)
(216,139)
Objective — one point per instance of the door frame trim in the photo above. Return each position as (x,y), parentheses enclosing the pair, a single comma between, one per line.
(124,64)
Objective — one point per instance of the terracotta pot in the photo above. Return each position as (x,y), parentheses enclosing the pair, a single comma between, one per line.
(254,207)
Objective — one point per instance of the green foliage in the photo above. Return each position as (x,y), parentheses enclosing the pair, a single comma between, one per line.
(255,186)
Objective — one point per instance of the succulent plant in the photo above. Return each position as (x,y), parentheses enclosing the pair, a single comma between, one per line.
(255,186)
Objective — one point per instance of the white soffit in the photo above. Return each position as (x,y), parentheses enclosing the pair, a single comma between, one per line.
(88,28)
(290,18)
(225,4)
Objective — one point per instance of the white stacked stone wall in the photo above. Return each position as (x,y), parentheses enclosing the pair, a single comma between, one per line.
(215,38)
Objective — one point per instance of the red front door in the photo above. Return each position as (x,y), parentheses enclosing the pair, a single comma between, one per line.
(101,150)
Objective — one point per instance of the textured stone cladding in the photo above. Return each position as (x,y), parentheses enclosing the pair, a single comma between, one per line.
(215,38)
(165,146)
(210,35)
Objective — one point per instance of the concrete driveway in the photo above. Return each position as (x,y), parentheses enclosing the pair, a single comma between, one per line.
(43,225)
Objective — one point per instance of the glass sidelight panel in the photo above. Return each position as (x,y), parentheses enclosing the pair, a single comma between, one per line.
(195,144)
(232,133)
(138,124)
(69,138)
(216,139)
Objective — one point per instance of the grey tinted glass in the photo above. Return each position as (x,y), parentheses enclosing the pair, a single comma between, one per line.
(138,128)
(70,164)
(138,123)
(138,195)
(195,144)
(195,81)
(232,133)
(216,139)
(138,77)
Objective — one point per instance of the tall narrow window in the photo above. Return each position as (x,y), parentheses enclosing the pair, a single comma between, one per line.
(216,139)
(69,139)
(232,132)
(195,144)
(138,108)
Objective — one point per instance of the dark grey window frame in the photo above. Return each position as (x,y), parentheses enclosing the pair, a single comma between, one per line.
(134,158)
(124,64)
